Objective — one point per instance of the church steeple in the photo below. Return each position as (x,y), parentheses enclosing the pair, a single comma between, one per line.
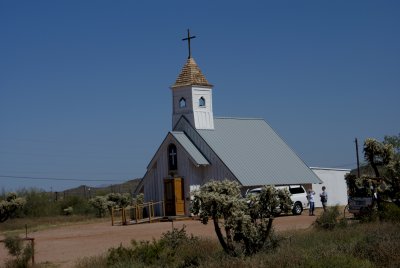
(192,97)
(191,75)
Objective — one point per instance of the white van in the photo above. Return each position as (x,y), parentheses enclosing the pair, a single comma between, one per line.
(298,196)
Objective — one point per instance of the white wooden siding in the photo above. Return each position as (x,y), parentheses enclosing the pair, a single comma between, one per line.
(192,175)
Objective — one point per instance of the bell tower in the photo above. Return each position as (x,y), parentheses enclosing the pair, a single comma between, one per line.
(192,95)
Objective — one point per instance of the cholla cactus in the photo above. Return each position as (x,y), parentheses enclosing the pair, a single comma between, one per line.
(377,154)
(247,222)
(120,200)
(139,199)
(10,205)
(100,204)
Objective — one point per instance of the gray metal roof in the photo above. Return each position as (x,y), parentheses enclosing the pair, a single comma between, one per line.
(255,153)
(194,153)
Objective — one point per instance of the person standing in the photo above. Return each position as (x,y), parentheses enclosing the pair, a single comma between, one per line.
(324,197)
(311,201)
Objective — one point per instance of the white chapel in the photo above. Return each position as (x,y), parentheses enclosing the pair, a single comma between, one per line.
(201,147)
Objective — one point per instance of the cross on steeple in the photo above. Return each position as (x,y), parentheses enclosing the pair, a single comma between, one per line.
(188,39)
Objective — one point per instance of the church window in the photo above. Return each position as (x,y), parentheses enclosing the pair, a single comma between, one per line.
(172,157)
(182,103)
(202,102)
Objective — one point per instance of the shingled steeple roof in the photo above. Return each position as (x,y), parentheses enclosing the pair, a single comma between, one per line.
(191,76)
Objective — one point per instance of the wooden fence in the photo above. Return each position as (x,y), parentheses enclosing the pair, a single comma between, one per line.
(146,212)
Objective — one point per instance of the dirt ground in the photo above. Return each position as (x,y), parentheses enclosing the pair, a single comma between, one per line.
(64,245)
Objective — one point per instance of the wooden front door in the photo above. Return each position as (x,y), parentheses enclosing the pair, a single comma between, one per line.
(174,197)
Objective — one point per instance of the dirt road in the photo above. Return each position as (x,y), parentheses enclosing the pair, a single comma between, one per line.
(64,245)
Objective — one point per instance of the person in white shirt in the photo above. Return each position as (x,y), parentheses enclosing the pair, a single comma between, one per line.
(310,196)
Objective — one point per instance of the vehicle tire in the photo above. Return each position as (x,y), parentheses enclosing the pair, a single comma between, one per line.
(297,209)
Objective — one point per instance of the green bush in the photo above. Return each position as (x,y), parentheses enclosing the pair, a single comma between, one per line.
(357,245)
(80,205)
(381,246)
(174,248)
(10,206)
(389,212)
(99,203)
(68,211)
(39,203)
(329,219)
(120,255)
(22,254)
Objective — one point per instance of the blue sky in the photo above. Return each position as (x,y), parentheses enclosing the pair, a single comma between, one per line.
(84,85)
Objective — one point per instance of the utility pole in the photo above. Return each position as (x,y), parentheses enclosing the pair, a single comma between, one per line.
(358,161)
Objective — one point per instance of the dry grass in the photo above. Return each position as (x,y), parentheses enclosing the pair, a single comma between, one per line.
(356,245)
(15,226)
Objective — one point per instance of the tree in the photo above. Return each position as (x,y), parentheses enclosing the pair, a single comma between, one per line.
(384,158)
(100,204)
(394,141)
(247,223)
(118,200)
(10,205)
(377,154)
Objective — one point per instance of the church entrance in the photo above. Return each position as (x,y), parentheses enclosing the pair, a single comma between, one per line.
(174,197)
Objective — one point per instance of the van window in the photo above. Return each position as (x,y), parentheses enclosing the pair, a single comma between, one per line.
(296,190)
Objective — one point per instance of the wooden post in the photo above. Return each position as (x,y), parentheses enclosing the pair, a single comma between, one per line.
(150,212)
(163,208)
(358,161)
(137,213)
(33,251)
(112,216)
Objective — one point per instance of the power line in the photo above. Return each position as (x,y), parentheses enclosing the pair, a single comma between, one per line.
(56,179)
(66,155)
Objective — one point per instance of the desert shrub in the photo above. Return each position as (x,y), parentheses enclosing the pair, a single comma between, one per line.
(176,237)
(92,261)
(10,206)
(80,205)
(358,245)
(119,200)
(330,219)
(99,203)
(39,203)
(389,212)
(174,249)
(21,253)
(247,223)
(68,211)
(119,256)
(138,200)
(380,245)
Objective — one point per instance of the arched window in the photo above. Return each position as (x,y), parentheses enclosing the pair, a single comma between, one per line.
(172,157)
(182,103)
(202,102)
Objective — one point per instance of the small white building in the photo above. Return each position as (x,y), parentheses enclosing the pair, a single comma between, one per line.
(336,187)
